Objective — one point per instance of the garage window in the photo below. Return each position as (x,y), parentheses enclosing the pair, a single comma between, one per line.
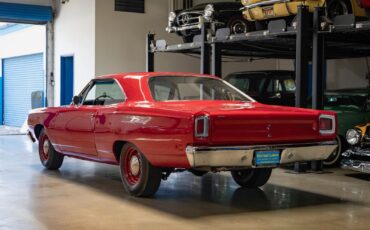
(136,6)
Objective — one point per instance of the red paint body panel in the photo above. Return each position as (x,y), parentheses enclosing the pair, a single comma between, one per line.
(162,130)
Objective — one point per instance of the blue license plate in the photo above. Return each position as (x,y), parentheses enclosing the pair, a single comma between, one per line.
(267,157)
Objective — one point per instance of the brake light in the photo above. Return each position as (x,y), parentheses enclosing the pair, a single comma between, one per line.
(327,124)
(201,126)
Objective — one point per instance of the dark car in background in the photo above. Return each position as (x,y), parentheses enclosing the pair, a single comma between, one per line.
(187,23)
(277,87)
(357,157)
(274,87)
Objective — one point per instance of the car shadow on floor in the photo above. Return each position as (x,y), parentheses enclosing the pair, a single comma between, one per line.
(188,196)
(359,176)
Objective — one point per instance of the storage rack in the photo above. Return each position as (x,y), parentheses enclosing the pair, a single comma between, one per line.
(309,40)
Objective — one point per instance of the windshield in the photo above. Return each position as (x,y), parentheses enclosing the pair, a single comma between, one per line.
(174,88)
(345,102)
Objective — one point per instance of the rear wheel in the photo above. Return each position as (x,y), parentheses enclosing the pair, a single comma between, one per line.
(338,7)
(335,157)
(251,178)
(49,157)
(138,176)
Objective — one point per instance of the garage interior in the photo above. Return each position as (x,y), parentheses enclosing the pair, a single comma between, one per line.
(49,51)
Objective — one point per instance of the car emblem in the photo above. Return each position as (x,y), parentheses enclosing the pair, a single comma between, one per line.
(268,128)
(185,19)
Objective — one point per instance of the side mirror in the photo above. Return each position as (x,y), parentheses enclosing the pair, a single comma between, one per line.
(76,100)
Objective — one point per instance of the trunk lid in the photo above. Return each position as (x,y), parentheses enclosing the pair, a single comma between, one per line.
(251,123)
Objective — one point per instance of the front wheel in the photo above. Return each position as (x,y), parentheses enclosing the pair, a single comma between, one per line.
(49,157)
(138,176)
(239,25)
(251,178)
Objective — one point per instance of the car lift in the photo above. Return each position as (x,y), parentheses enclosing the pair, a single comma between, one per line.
(315,41)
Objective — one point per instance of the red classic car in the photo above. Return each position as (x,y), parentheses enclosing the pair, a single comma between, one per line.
(153,124)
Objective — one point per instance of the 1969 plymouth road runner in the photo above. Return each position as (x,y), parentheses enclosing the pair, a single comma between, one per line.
(153,124)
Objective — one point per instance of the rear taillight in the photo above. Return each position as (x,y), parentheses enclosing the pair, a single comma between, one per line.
(201,126)
(327,124)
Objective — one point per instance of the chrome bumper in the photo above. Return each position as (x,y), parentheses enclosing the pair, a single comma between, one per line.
(356,165)
(173,29)
(243,156)
(263,3)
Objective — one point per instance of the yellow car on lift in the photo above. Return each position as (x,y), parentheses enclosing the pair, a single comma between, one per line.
(258,10)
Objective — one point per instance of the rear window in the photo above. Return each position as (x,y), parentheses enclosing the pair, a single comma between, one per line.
(174,88)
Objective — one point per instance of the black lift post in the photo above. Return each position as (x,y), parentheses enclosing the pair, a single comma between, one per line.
(318,60)
(216,59)
(318,63)
(302,61)
(149,53)
(205,50)
(302,56)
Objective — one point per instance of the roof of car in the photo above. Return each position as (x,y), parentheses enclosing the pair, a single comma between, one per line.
(152,74)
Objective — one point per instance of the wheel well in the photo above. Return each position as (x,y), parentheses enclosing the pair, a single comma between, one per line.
(348,3)
(38,129)
(117,147)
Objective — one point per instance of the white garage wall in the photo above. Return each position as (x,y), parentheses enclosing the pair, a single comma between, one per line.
(347,73)
(120,41)
(341,74)
(30,40)
(75,35)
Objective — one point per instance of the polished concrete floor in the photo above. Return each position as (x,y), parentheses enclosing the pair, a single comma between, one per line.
(85,195)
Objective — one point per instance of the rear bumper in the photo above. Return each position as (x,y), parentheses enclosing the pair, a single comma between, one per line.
(243,156)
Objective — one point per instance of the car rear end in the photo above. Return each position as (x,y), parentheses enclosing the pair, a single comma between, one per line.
(264,138)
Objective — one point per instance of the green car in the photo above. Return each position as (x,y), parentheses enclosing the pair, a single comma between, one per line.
(353,108)
(277,87)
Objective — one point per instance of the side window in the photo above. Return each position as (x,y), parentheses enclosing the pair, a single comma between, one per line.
(104,93)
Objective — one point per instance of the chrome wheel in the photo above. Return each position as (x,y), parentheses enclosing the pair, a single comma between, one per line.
(238,27)
(131,166)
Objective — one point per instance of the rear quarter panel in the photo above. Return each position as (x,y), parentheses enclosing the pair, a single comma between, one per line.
(161,135)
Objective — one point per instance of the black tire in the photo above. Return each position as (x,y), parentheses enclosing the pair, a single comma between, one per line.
(139,177)
(198,173)
(335,158)
(49,157)
(338,7)
(188,39)
(368,13)
(237,24)
(251,178)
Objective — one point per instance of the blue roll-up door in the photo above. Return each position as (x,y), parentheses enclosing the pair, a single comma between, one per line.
(24,13)
(22,76)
